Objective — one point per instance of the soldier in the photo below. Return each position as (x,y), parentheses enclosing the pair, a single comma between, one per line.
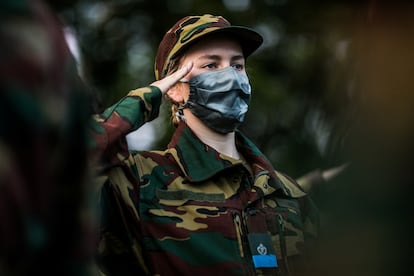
(211,203)
(45,208)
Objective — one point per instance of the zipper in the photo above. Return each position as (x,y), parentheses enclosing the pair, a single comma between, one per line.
(241,232)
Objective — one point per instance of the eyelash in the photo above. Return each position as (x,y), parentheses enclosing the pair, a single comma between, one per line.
(210,65)
(238,67)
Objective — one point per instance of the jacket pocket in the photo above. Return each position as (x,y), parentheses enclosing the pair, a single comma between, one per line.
(282,219)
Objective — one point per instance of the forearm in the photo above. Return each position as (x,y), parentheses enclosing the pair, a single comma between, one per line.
(108,130)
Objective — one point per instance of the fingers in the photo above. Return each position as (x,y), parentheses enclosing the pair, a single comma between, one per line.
(166,83)
(183,71)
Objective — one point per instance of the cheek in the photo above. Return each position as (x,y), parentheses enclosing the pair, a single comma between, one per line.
(194,72)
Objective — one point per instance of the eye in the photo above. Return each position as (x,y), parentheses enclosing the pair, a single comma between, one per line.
(238,66)
(210,66)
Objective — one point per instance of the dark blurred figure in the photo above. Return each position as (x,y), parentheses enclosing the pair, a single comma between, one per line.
(46,220)
(368,230)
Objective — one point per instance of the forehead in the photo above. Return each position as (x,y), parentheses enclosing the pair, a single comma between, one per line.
(215,44)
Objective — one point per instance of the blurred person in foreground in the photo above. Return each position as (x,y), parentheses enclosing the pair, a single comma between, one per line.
(211,203)
(46,225)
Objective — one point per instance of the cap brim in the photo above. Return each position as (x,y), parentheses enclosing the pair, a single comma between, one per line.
(249,39)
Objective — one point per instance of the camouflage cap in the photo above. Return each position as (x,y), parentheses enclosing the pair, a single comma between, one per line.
(191,29)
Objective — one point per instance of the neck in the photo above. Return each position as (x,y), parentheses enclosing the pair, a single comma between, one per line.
(223,143)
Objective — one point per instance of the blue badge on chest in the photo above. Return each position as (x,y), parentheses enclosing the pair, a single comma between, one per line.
(262,250)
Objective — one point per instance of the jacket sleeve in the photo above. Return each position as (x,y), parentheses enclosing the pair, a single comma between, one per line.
(309,211)
(108,129)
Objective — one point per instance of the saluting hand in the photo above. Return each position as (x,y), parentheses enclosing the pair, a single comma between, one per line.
(166,83)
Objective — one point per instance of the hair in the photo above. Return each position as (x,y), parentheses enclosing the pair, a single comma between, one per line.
(172,67)
(174,118)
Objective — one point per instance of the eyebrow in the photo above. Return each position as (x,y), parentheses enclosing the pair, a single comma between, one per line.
(217,57)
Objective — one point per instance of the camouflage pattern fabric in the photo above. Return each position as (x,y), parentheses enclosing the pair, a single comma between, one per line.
(188,210)
(46,226)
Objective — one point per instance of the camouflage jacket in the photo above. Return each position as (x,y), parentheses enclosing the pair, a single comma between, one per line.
(189,210)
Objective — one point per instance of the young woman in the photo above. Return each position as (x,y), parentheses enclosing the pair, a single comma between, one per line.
(210,203)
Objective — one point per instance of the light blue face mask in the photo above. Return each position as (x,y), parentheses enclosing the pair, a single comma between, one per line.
(220,99)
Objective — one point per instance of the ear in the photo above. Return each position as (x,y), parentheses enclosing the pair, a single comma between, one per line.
(178,93)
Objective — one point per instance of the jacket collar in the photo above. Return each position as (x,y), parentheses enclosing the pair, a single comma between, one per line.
(199,161)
